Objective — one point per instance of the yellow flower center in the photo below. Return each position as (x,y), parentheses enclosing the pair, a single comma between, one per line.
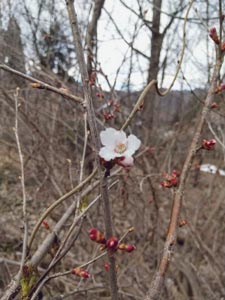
(120,148)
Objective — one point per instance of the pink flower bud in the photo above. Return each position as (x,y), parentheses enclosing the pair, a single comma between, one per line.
(92,79)
(106,266)
(97,236)
(126,247)
(45,224)
(182,223)
(208,144)
(80,273)
(223,46)
(171,180)
(112,244)
(219,88)
(214,36)
(214,105)
(108,116)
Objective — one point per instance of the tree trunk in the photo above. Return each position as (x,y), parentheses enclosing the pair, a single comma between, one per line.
(156,44)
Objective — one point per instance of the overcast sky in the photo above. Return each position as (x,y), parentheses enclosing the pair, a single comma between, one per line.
(114,53)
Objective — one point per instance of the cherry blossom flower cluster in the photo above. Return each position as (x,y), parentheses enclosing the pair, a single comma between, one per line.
(118,148)
(171,180)
(112,244)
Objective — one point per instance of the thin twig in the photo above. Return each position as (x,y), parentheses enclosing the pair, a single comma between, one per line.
(57,203)
(43,85)
(25,219)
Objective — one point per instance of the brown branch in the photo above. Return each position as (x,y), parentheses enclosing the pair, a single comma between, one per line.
(42,85)
(158,279)
(95,139)
(92,32)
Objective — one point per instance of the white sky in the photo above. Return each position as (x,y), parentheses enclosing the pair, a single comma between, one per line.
(111,53)
(112,49)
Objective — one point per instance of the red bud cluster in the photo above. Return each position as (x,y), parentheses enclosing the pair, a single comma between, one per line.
(219,89)
(80,273)
(214,36)
(112,244)
(108,116)
(214,105)
(115,106)
(92,78)
(208,144)
(97,236)
(171,180)
(182,223)
(100,95)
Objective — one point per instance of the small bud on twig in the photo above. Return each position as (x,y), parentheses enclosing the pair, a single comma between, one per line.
(45,224)
(219,88)
(112,244)
(37,85)
(97,236)
(80,273)
(182,223)
(214,36)
(128,248)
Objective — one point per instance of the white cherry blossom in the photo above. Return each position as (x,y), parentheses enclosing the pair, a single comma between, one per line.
(118,145)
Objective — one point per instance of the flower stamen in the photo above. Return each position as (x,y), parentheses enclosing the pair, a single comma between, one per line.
(120,148)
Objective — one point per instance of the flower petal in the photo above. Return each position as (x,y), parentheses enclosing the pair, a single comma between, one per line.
(128,161)
(121,137)
(108,137)
(133,143)
(107,154)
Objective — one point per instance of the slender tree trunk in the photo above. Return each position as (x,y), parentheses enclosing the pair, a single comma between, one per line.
(91,37)
(156,45)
